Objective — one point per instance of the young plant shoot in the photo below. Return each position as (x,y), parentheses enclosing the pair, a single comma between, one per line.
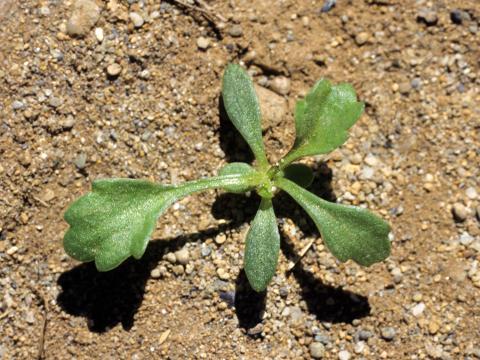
(115,220)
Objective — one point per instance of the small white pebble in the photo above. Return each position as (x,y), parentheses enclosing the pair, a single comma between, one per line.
(99,34)
(418,309)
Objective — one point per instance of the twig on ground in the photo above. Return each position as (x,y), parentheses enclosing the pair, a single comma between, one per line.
(205,10)
(293,263)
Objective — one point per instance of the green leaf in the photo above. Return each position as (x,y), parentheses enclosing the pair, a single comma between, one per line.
(237,168)
(300,174)
(323,118)
(243,109)
(262,247)
(116,219)
(349,232)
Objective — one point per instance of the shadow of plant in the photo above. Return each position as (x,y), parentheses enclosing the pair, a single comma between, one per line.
(109,298)
(327,303)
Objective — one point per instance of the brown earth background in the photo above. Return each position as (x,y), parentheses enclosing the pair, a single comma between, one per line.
(68,116)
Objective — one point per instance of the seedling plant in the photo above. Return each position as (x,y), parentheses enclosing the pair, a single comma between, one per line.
(116,219)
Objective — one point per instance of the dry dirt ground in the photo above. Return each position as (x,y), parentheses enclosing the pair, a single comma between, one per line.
(413,158)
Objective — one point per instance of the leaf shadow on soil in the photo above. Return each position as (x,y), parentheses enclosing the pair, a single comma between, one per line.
(106,299)
(232,143)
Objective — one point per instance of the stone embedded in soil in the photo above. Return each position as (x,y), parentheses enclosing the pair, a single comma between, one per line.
(458,16)
(466,239)
(235,31)
(273,107)
(84,16)
(344,355)
(428,16)
(404,88)
(388,333)
(418,309)
(471,193)
(460,212)
(136,19)
(317,350)
(281,85)
(361,38)
(18,105)
(114,69)
(182,256)
(99,34)
(80,161)
(203,43)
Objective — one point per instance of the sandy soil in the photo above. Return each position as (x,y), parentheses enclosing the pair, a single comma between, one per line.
(68,117)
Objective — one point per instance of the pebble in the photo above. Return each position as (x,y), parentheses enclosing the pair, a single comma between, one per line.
(220,239)
(323,338)
(459,16)
(367,173)
(466,239)
(30,317)
(388,333)
(281,85)
(471,193)
(427,16)
(418,309)
(155,273)
(205,250)
(99,34)
(460,212)
(361,38)
(433,327)
(203,43)
(235,31)
(344,355)
(80,161)
(178,269)
(317,350)
(364,335)
(183,256)
(44,11)
(171,258)
(371,160)
(136,19)
(417,297)
(114,69)
(359,347)
(55,102)
(222,274)
(84,16)
(18,105)
(273,107)
(328,5)
(12,250)
(404,88)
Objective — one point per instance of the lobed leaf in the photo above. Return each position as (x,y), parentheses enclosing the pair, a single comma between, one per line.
(243,109)
(323,118)
(116,219)
(262,247)
(349,232)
